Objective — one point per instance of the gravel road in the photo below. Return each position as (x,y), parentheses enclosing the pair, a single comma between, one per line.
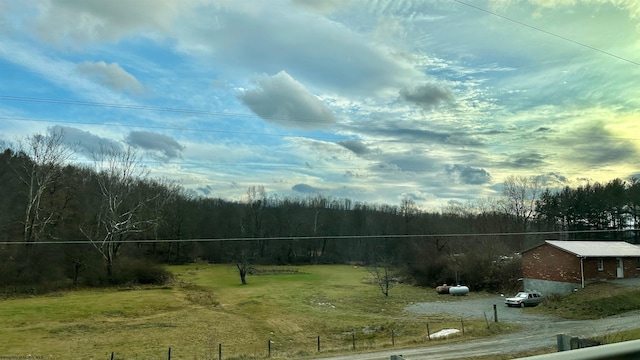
(476,308)
(540,331)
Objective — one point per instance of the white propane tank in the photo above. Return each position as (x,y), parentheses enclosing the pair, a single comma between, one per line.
(459,290)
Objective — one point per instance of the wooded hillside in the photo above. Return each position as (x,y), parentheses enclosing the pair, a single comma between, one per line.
(109,222)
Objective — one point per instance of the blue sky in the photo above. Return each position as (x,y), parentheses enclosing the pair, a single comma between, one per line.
(373,101)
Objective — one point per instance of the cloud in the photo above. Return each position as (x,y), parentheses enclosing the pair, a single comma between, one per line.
(526,160)
(88,143)
(55,71)
(77,22)
(148,140)
(206,190)
(355,146)
(552,180)
(284,101)
(422,132)
(407,163)
(322,6)
(468,175)
(268,37)
(305,189)
(427,96)
(379,69)
(111,75)
(593,144)
(413,195)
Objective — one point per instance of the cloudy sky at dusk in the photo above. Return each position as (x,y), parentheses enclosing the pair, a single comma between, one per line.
(373,101)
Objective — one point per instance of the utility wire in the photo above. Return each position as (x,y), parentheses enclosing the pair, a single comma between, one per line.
(160,127)
(547,32)
(147,108)
(331,138)
(285,238)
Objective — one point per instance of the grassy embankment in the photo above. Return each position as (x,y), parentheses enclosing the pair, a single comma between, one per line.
(206,306)
(595,301)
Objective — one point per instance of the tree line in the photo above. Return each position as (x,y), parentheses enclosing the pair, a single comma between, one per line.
(109,223)
(613,207)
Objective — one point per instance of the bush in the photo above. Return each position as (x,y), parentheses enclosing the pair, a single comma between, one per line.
(140,272)
(31,270)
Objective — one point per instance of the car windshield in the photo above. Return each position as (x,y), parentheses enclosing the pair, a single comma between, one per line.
(522,295)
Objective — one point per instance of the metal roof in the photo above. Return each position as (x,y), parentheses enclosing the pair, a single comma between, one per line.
(597,248)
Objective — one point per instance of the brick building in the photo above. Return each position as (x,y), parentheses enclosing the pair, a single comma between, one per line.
(561,266)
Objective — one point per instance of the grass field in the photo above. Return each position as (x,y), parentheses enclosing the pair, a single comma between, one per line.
(206,306)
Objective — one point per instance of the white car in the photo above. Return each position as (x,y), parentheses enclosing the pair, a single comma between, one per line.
(525,298)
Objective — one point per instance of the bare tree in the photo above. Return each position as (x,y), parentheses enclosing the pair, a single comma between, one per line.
(244,265)
(382,275)
(48,153)
(256,202)
(253,224)
(126,207)
(519,198)
(408,210)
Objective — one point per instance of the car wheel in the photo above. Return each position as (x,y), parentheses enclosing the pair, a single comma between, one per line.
(522,304)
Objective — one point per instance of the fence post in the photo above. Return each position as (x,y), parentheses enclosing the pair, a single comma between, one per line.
(219,351)
(393,337)
(112,355)
(318,343)
(495,313)
(269,347)
(353,340)
(169,354)
(428,332)
(564,342)
(462,325)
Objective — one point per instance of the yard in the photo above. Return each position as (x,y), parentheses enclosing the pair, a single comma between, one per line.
(206,307)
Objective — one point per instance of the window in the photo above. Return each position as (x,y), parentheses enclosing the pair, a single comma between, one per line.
(600,264)
(638,263)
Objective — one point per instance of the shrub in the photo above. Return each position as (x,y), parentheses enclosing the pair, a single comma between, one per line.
(140,272)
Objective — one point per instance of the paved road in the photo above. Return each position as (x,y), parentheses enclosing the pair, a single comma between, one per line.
(541,331)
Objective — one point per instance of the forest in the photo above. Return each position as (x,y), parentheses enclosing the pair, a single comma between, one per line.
(107,222)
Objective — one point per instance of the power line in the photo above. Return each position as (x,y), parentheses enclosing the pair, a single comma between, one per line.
(160,127)
(304,238)
(329,138)
(149,108)
(548,32)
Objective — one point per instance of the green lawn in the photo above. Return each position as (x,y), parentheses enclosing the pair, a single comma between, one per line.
(206,306)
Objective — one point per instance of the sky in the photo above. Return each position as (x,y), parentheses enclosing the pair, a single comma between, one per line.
(376,101)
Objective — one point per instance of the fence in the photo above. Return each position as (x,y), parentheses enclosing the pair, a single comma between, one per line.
(345,342)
